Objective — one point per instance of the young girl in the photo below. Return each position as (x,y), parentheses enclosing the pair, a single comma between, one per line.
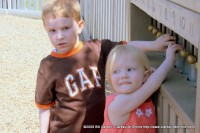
(129,109)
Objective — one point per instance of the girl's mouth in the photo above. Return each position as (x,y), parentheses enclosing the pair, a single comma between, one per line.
(125,83)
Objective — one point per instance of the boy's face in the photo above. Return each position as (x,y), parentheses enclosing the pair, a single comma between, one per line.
(63,32)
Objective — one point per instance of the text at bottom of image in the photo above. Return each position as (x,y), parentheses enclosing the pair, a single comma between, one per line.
(133,126)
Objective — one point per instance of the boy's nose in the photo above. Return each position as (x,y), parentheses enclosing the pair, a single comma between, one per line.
(60,35)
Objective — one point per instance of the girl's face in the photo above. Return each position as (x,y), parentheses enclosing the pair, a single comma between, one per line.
(127,75)
(63,32)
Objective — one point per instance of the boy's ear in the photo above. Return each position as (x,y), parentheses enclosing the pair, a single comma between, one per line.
(147,73)
(81,25)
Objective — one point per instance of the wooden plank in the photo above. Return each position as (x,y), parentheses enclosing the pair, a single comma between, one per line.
(35,5)
(9,4)
(165,115)
(104,19)
(197,114)
(187,131)
(159,109)
(93,18)
(178,105)
(18,4)
(14,4)
(1,4)
(183,21)
(128,22)
(180,130)
(95,26)
(193,5)
(101,23)
(115,22)
(5,4)
(190,130)
(172,121)
(29,4)
(22,4)
(89,19)
(40,5)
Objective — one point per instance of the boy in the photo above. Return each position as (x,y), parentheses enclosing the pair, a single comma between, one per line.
(70,84)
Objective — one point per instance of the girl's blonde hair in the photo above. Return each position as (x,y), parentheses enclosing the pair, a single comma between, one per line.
(121,51)
(63,8)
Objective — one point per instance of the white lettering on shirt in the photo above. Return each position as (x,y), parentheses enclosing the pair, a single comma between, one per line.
(85,82)
(72,91)
(96,75)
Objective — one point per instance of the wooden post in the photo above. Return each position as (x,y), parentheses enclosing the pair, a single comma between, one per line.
(197,114)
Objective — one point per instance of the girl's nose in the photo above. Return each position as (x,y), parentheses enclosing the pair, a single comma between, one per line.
(124,75)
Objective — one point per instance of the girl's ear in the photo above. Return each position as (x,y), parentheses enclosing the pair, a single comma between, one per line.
(147,73)
(81,24)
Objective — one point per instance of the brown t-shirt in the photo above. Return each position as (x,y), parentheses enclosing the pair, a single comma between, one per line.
(73,85)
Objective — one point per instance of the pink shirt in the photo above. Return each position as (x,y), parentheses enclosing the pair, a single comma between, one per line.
(141,119)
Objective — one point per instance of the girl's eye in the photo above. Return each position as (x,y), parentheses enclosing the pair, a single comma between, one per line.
(116,71)
(131,69)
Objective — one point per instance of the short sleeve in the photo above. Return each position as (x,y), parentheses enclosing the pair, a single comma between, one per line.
(44,96)
(107,45)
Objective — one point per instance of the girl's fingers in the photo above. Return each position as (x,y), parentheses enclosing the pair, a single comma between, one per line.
(176,48)
(169,37)
(171,42)
(172,38)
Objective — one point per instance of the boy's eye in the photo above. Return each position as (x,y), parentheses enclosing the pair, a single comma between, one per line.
(52,30)
(131,69)
(65,28)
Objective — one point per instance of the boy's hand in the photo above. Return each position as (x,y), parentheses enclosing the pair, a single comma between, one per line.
(163,41)
(171,51)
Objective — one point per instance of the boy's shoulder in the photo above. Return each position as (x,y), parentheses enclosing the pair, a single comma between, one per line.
(46,59)
(97,41)
(92,41)
(106,42)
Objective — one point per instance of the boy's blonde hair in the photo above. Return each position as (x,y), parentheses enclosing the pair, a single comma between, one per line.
(63,8)
(121,51)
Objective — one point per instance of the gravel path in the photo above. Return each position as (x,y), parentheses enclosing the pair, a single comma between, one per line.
(23,43)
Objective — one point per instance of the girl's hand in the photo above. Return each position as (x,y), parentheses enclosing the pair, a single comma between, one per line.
(152,69)
(171,51)
(163,41)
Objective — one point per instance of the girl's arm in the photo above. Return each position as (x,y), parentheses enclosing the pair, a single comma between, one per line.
(160,44)
(44,115)
(123,104)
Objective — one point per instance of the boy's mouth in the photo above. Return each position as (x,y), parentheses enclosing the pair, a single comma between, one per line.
(61,44)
